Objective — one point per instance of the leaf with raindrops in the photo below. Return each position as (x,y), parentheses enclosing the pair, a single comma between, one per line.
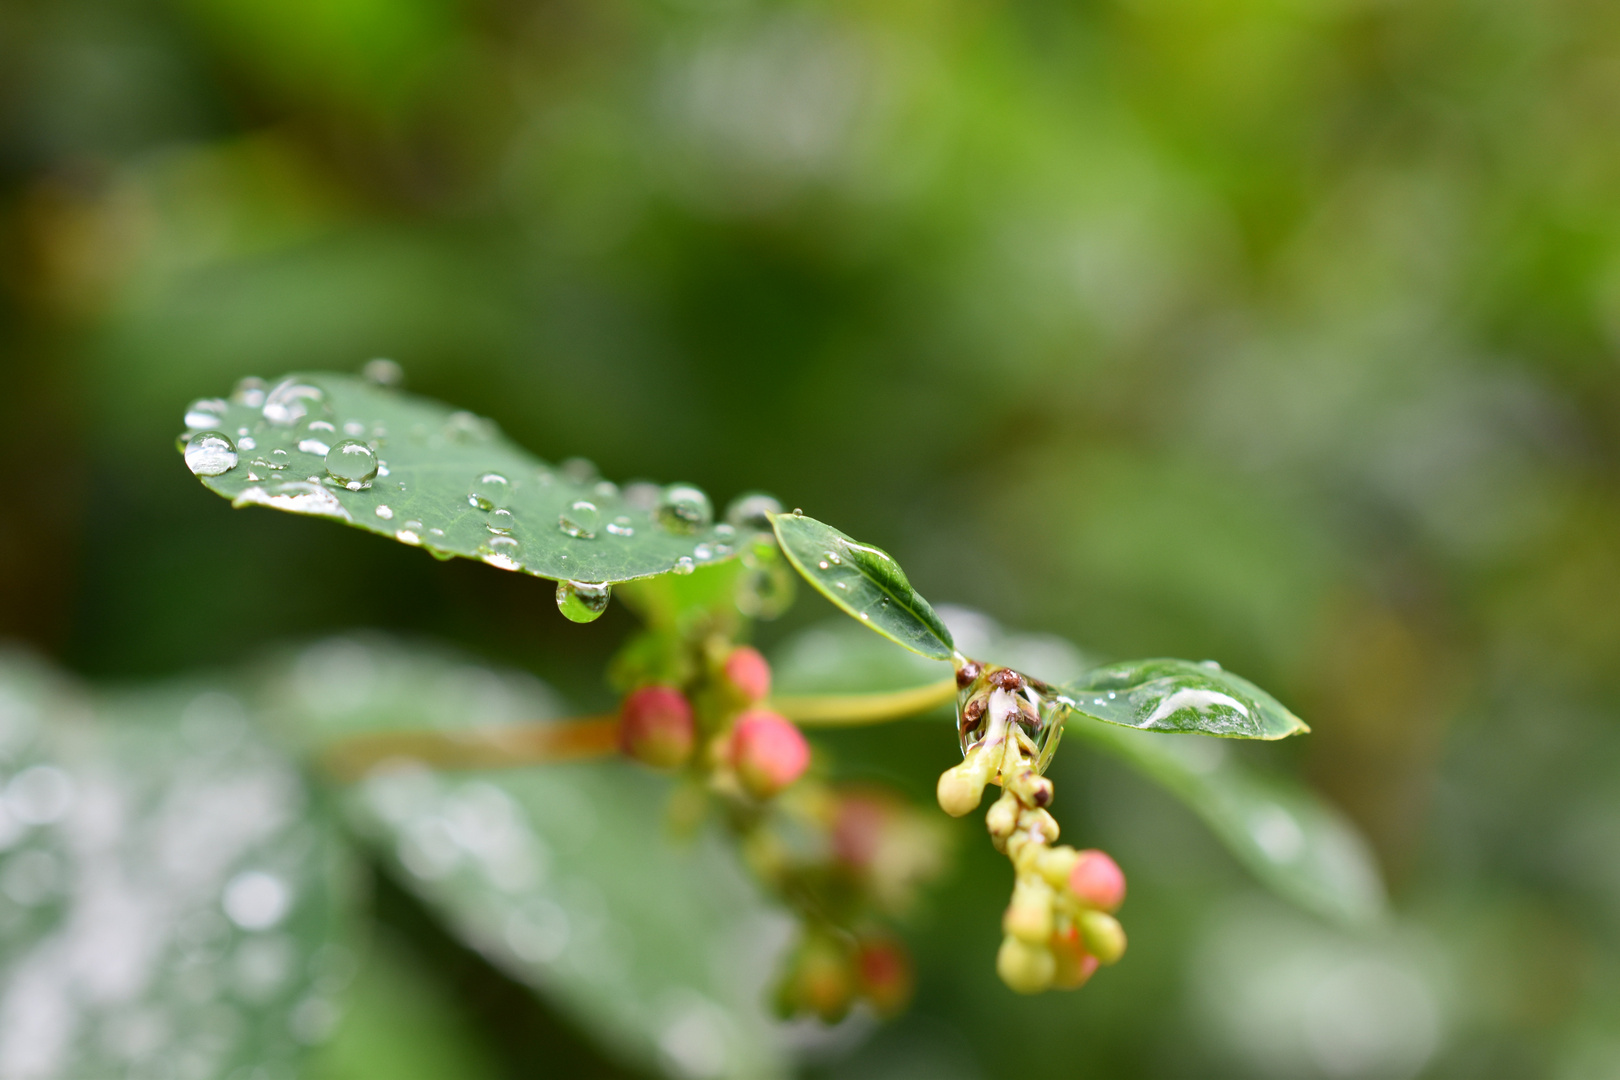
(168,904)
(360,451)
(559,874)
(1180,696)
(1292,840)
(865,582)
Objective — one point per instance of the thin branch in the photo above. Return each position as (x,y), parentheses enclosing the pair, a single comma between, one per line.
(851,710)
(478,748)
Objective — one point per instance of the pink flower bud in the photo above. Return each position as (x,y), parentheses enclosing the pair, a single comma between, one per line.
(1097,881)
(747,670)
(655,727)
(767,752)
(858,829)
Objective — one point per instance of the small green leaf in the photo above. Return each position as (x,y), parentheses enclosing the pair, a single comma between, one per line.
(412,469)
(167,894)
(1181,696)
(864,581)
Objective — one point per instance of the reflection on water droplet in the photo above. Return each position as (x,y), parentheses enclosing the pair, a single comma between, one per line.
(210,453)
(703,553)
(579,470)
(383,372)
(581,601)
(504,552)
(684,565)
(325,427)
(385,512)
(314,446)
(409,533)
(620,526)
(751,511)
(352,464)
(581,520)
(489,491)
(247,442)
(501,521)
(683,508)
(206,413)
(249,391)
(290,401)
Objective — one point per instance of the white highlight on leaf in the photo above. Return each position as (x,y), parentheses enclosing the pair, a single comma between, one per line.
(294,496)
(1196,700)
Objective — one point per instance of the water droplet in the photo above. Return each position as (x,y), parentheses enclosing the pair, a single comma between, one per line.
(581,601)
(766,587)
(385,512)
(504,552)
(210,453)
(466,427)
(724,531)
(352,464)
(353,428)
(489,491)
(832,557)
(290,401)
(684,565)
(751,511)
(579,470)
(642,495)
(409,533)
(250,392)
(581,520)
(206,413)
(606,489)
(325,427)
(383,372)
(683,508)
(247,442)
(501,521)
(314,446)
(703,553)
(620,526)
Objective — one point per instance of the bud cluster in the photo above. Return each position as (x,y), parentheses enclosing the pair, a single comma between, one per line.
(829,970)
(1059,926)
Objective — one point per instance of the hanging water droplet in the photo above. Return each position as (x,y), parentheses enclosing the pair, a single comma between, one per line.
(249,391)
(290,401)
(383,372)
(352,464)
(210,453)
(579,470)
(620,526)
(767,585)
(504,552)
(1034,707)
(751,511)
(683,508)
(684,565)
(489,491)
(581,601)
(206,412)
(582,520)
(501,521)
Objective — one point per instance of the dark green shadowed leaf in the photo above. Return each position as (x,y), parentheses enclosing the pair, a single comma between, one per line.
(864,581)
(424,474)
(170,904)
(1180,696)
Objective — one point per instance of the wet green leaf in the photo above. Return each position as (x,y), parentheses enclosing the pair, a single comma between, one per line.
(561,875)
(424,474)
(1181,696)
(169,901)
(864,581)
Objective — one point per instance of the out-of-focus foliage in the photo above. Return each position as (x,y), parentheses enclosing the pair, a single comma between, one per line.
(1278,333)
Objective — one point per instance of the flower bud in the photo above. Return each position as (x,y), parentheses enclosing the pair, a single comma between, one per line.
(1104,937)
(1097,881)
(821,979)
(1002,817)
(1073,965)
(884,972)
(655,726)
(960,789)
(1025,968)
(1029,916)
(767,752)
(1055,865)
(748,673)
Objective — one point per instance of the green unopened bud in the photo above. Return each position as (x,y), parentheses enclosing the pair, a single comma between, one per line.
(1038,823)
(1054,864)
(1025,968)
(1104,937)
(1029,916)
(1002,818)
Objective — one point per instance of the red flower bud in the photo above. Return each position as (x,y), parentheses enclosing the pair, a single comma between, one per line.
(1097,881)
(767,752)
(885,976)
(655,726)
(858,828)
(747,670)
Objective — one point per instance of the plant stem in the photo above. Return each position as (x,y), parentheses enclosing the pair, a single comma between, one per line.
(477,748)
(850,710)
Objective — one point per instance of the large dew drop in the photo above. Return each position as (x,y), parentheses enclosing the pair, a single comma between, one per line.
(1037,718)
(683,508)
(352,464)
(582,520)
(383,372)
(289,401)
(489,491)
(752,511)
(206,413)
(581,601)
(210,453)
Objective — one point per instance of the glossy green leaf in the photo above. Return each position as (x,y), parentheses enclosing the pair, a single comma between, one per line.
(1181,696)
(1291,839)
(561,874)
(865,582)
(424,474)
(169,903)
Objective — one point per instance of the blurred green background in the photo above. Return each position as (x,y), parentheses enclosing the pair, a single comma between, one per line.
(1282,332)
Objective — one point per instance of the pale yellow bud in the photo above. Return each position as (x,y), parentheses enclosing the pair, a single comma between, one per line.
(1054,864)
(1029,915)
(960,789)
(1003,816)
(1025,968)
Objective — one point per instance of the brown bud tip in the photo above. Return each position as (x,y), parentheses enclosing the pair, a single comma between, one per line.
(747,670)
(1097,881)
(969,671)
(1007,679)
(959,791)
(767,752)
(655,727)
(884,971)
(1104,937)
(1025,968)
